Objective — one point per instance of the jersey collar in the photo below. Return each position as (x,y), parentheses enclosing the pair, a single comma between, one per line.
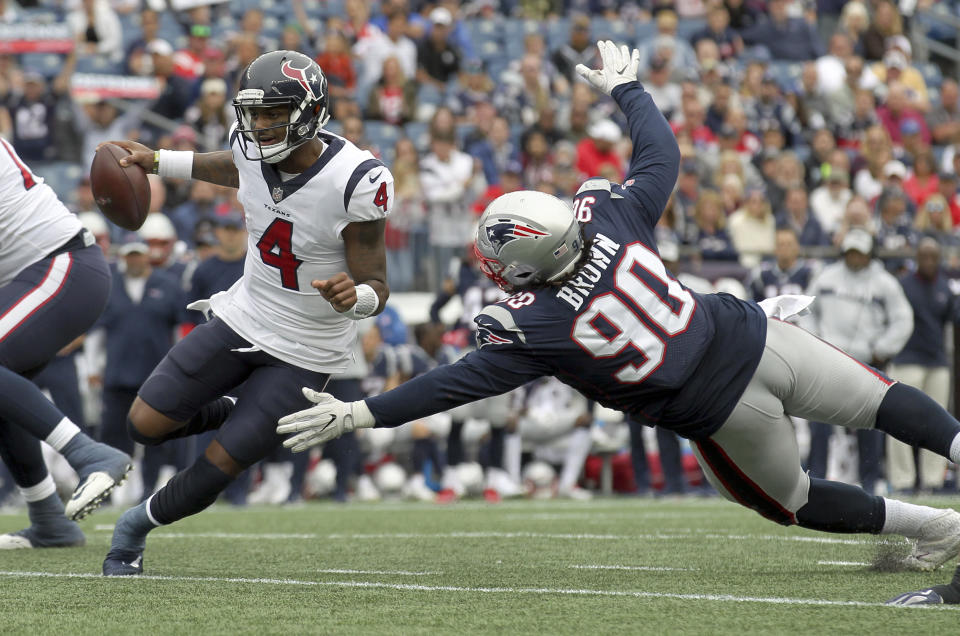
(280,190)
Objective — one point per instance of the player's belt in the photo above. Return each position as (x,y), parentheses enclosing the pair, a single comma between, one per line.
(83,238)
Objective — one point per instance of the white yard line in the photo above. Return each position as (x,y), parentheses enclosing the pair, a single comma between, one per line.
(845,563)
(639,568)
(409,587)
(393,572)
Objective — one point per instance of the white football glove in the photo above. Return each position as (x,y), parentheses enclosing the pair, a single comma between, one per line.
(328,420)
(619,67)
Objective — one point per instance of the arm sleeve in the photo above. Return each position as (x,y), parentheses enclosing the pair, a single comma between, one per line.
(477,375)
(899,321)
(368,194)
(655,161)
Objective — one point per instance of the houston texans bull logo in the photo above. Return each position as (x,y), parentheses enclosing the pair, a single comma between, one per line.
(300,75)
(505,230)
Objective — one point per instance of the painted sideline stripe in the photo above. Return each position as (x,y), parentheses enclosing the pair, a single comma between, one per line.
(396,572)
(641,568)
(845,563)
(520,535)
(410,587)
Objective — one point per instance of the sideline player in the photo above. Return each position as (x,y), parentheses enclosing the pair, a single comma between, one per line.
(594,306)
(315,206)
(54,283)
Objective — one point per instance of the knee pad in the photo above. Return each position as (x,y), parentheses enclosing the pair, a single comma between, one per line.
(139,437)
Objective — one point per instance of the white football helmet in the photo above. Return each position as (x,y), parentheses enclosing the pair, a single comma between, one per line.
(527,238)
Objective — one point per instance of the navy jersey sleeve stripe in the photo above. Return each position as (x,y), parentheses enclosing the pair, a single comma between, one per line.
(655,162)
(358,174)
(477,375)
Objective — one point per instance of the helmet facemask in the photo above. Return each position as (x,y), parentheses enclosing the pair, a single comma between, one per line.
(294,132)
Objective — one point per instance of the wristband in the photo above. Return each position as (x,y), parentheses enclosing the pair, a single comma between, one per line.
(176,164)
(366,305)
(156,161)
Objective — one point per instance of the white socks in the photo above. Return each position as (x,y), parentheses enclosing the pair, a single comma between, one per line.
(955,450)
(904,518)
(40,491)
(61,434)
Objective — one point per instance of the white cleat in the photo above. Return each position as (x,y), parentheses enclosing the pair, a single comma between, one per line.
(366,490)
(14,542)
(576,493)
(939,542)
(91,492)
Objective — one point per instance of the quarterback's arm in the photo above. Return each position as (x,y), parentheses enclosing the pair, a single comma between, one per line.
(217,168)
(366,257)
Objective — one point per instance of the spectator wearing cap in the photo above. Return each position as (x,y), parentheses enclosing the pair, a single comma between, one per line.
(898,110)
(392,42)
(786,38)
(752,228)
(599,149)
(438,60)
(666,93)
(922,180)
(944,119)
(225,266)
(923,363)
(188,62)
(97,29)
(718,29)
(862,310)
(894,227)
(33,119)
(829,200)
(709,233)
(797,216)
(896,67)
(394,97)
(211,115)
(579,49)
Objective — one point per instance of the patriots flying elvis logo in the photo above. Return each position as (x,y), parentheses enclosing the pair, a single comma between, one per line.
(505,230)
(487,337)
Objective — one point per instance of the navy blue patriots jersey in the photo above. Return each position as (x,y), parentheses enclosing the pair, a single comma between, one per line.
(769,280)
(622,331)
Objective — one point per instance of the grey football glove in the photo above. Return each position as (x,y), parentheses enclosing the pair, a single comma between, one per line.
(619,67)
(328,420)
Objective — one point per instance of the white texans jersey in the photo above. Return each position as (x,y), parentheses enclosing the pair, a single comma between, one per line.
(295,230)
(33,221)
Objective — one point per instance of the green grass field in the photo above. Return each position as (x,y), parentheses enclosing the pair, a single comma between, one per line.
(624,566)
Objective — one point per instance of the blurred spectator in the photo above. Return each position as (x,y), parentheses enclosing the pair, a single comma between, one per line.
(752,228)
(406,231)
(446,176)
(393,43)
(211,116)
(857,215)
(666,94)
(522,97)
(537,160)
(923,180)
(829,201)
(579,49)
(771,110)
(947,188)
(676,52)
(245,48)
(896,67)
(599,149)
(743,15)
(787,174)
(136,58)
(817,164)
(438,60)
(785,37)
(337,65)
(785,274)
(812,107)
(894,229)
(475,87)
(188,62)
(731,191)
(394,98)
(710,236)
(33,114)
(692,122)
(870,170)
(886,23)
(854,22)
(944,119)
(251,29)
(175,92)
(294,38)
(923,363)
(861,309)
(934,221)
(796,216)
(221,270)
(97,29)
(201,206)
(99,121)
(718,29)
(831,68)
(496,151)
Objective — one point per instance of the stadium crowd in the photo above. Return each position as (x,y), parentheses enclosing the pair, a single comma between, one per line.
(809,131)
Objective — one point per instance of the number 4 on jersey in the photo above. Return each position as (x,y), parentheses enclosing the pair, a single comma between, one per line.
(380,199)
(279,237)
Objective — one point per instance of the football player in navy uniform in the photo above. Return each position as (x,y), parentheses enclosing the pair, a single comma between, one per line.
(315,208)
(593,305)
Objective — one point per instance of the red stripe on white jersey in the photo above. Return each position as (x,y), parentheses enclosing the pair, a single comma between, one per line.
(37,297)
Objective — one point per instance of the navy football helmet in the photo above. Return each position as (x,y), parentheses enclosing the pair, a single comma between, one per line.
(281,78)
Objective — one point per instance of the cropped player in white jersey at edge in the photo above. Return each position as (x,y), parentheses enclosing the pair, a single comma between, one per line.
(594,306)
(315,208)
(54,283)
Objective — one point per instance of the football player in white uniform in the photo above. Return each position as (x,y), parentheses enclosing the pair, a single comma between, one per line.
(54,283)
(315,208)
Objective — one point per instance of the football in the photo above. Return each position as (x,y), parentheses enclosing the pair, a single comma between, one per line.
(122,192)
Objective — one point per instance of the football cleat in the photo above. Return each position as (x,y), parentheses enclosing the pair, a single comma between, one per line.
(69,536)
(921,597)
(939,542)
(95,487)
(120,563)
